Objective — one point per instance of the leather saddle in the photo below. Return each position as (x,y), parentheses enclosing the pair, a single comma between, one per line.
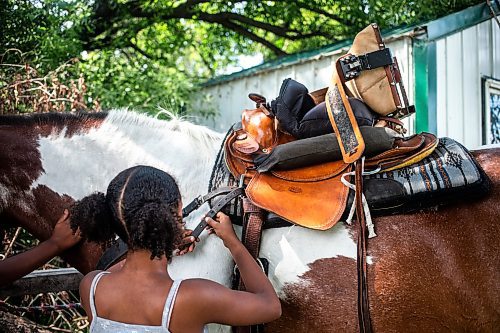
(312,196)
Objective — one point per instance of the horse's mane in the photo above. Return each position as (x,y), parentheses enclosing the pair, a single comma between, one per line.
(123,119)
(202,134)
(52,118)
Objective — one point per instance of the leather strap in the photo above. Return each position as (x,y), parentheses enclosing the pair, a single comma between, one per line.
(112,255)
(253,227)
(253,220)
(388,71)
(200,200)
(364,319)
(252,230)
(343,120)
(235,192)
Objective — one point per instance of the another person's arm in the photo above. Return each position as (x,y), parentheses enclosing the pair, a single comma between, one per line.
(17,266)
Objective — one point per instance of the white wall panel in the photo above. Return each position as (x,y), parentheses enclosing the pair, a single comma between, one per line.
(462,60)
(441,93)
(495,49)
(485,54)
(471,87)
(454,89)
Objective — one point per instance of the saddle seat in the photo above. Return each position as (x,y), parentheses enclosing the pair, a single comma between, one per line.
(311,196)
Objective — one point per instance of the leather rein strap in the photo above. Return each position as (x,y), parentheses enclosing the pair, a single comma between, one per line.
(364,320)
(234,192)
(197,202)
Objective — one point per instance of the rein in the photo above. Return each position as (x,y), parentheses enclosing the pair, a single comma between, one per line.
(231,193)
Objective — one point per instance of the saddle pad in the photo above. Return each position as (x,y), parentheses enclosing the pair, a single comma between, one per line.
(447,175)
(312,197)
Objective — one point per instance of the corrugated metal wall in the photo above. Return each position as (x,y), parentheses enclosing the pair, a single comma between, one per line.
(463,59)
(229,98)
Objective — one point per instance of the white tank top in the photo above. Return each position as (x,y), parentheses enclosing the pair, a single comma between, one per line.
(103,325)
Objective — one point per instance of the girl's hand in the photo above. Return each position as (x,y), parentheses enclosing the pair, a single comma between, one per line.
(222,227)
(187,244)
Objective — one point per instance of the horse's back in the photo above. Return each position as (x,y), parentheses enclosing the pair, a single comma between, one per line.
(432,271)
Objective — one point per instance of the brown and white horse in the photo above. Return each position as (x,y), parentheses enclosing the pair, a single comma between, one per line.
(433,271)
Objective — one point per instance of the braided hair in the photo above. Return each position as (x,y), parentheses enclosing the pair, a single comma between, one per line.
(141,206)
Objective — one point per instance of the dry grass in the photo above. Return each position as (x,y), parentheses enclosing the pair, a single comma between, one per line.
(24,90)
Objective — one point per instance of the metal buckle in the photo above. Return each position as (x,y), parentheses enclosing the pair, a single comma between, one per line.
(404,109)
(351,65)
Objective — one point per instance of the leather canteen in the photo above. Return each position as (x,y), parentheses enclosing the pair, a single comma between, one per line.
(372,86)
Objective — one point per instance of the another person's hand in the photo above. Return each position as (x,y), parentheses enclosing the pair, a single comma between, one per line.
(188,242)
(62,235)
(222,227)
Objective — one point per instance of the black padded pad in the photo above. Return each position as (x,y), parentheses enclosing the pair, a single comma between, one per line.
(321,149)
(316,121)
(291,105)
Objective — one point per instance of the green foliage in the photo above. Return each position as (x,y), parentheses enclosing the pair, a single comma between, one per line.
(42,35)
(120,79)
(143,53)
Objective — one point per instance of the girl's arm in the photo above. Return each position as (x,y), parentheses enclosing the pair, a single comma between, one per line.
(259,303)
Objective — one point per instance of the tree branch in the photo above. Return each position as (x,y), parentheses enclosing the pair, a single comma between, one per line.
(247,33)
(277,30)
(141,51)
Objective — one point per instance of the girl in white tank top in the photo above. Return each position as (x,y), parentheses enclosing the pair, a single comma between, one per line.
(143,207)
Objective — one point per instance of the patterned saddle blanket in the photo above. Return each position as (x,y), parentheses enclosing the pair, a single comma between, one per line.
(449,174)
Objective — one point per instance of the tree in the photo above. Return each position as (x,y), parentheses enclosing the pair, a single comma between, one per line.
(142,52)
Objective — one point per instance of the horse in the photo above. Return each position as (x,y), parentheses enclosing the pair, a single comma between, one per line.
(431,271)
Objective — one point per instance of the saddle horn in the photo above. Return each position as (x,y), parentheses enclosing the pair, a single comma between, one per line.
(258,99)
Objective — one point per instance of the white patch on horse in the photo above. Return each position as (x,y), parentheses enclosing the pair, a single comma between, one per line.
(80,165)
(290,267)
(287,265)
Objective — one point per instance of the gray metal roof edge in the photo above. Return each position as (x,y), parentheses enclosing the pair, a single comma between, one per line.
(436,29)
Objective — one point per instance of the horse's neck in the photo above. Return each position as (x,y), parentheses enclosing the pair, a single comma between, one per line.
(73,163)
(87,161)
